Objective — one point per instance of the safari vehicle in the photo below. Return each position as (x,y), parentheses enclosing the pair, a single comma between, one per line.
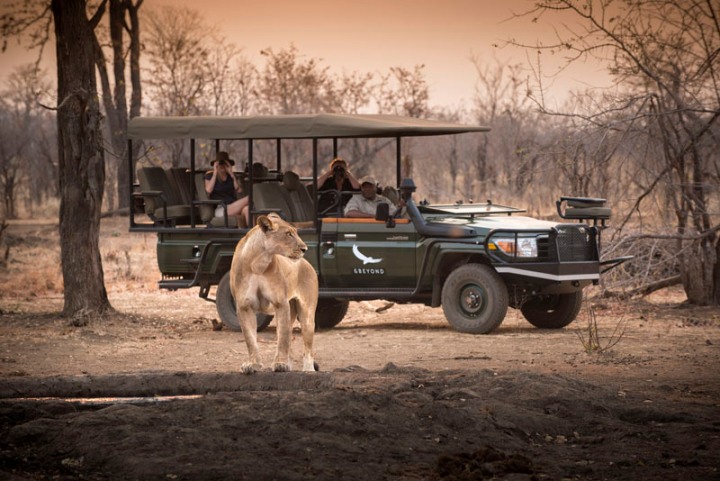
(474,260)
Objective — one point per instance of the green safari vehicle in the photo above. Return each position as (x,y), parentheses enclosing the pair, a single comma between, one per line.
(474,260)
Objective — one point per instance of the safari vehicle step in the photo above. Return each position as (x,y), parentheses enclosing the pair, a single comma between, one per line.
(377,293)
(176,284)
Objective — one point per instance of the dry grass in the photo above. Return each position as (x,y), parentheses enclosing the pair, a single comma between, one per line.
(33,264)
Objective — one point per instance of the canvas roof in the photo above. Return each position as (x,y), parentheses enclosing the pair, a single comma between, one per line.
(291,127)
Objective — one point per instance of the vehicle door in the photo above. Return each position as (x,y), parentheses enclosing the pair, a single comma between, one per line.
(365,253)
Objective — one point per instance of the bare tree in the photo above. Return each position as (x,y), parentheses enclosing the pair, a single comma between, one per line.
(80,152)
(355,92)
(664,52)
(177,60)
(404,92)
(231,81)
(291,85)
(115,89)
(82,168)
(25,124)
(508,157)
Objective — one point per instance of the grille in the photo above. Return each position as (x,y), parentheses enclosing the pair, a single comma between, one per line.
(575,243)
(544,251)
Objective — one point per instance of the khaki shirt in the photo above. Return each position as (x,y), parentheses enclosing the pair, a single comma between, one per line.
(360,203)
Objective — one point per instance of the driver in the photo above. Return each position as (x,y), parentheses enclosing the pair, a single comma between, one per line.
(338,177)
(365,204)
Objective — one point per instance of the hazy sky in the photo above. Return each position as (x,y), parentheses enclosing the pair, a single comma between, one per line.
(374,35)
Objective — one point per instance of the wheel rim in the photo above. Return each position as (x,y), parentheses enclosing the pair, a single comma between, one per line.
(473,300)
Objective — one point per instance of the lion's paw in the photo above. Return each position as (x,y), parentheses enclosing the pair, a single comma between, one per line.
(251,368)
(310,367)
(281,367)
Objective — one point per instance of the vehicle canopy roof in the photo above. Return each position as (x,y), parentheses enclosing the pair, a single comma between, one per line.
(315,126)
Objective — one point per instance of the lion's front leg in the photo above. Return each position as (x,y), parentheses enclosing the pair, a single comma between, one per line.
(306,316)
(284,317)
(248,324)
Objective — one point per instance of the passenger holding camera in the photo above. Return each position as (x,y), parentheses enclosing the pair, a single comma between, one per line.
(338,178)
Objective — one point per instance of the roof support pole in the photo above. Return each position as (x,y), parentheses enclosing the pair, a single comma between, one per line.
(131,176)
(315,186)
(192,173)
(398,161)
(278,149)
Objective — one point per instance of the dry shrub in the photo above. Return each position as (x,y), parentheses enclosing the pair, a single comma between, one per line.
(592,338)
(129,259)
(32,271)
(33,266)
(655,264)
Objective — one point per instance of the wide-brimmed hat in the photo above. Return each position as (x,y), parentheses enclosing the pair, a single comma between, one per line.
(368,180)
(223,156)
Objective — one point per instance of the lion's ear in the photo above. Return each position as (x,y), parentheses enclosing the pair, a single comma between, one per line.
(264,223)
(267,223)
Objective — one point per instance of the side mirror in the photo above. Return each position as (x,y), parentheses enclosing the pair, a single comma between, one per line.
(382,212)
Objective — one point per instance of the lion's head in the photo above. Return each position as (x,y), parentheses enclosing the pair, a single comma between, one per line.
(280,237)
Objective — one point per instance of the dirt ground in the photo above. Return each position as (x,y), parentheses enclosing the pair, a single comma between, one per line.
(154,392)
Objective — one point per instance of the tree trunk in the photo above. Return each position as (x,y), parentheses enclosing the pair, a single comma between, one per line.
(119,134)
(700,272)
(82,167)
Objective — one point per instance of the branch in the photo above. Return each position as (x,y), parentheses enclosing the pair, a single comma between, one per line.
(647,289)
(699,236)
(95,20)
(642,196)
(80,93)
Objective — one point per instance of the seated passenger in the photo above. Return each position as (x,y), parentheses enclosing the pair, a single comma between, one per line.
(365,204)
(221,184)
(337,177)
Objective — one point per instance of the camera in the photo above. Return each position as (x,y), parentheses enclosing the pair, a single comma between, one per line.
(339,169)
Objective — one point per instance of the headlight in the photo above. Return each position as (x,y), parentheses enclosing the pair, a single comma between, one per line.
(521,247)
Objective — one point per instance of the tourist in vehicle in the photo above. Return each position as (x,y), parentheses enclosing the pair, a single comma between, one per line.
(221,184)
(365,204)
(337,178)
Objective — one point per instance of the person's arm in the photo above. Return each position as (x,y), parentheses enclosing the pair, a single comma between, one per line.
(358,214)
(210,183)
(353,209)
(355,183)
(325,176)
(236,184)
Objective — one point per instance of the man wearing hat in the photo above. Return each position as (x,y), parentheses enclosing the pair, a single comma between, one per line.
(365,204)
(221,184)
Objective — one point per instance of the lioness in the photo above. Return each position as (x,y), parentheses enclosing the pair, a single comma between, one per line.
(268,270)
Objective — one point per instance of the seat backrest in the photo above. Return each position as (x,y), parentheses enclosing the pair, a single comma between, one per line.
(157,179)
(183,179)
(207,212)
(391,193)
(269,196)
(299,199)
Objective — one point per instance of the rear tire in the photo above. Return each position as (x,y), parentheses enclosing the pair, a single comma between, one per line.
(474,299)
(225,305)
(553,311)
(329,313)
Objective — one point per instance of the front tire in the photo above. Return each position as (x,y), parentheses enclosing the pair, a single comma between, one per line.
(553,311)
(225,305)
(474,299)
(329,313)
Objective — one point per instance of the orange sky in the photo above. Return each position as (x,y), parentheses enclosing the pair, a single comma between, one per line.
(374,35)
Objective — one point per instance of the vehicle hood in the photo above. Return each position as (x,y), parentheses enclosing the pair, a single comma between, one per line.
(514,223)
